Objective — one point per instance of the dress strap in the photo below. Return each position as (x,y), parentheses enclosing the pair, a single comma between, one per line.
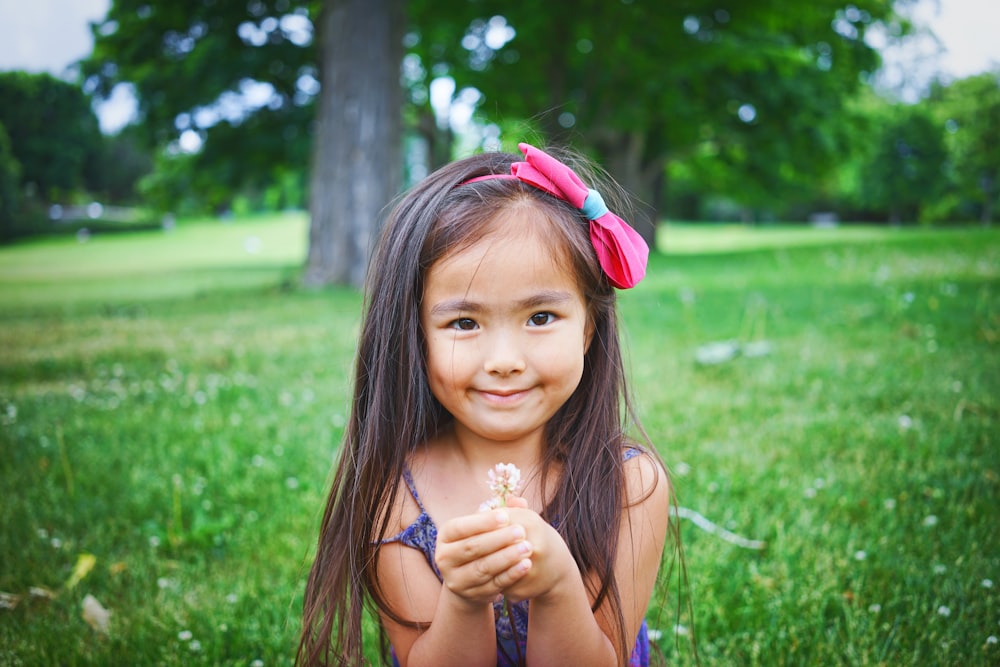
(408,478)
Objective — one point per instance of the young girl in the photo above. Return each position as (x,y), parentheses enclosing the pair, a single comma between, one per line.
(489,337)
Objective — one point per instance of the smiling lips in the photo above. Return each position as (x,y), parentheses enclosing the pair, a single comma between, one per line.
(502,396)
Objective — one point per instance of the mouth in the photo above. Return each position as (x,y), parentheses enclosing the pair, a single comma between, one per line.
(503,396)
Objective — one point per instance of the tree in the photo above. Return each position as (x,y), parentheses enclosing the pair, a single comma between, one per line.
(242,80)
(905,165)
(971,110)
(356,153)
(10,184)
(758,85)
(53,132)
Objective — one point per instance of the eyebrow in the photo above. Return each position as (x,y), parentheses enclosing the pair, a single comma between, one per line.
(543,298)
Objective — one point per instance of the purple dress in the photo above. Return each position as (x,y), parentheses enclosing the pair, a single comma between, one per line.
(512,626)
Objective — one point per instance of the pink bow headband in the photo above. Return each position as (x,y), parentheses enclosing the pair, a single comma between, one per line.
(621,252)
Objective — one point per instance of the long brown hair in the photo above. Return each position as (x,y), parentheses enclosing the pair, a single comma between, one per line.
(393,410)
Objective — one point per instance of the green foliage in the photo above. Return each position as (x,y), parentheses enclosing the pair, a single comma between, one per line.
(168,405)
(750,97)
(10,185)
(53,132)
(970,109)
(904,164)
(191,61)
(122,164)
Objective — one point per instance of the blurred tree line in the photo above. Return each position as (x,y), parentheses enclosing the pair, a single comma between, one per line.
(705,110)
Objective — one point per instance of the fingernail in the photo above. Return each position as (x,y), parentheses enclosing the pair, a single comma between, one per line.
(502,518)
(524,547)
(517,532)
(524,565)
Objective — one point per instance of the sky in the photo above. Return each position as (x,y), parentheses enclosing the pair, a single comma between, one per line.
(49,35)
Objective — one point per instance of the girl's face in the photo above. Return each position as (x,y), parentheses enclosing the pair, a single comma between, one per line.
(506,329)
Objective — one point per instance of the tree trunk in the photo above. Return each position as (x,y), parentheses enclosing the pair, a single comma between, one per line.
(642,177)
(357,166)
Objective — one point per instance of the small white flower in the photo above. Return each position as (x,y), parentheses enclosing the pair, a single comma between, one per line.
(809,492)
(184,635)
(681,630)
(292,483)
(944,611)
(195,645)
(986,583)
(154,541)
(889,503)
(232,598)
(654,635)
(905,422)
(930,520)
(940,569)
(875,608)
(682,469)
(162,583)
(257,663)
(504,481)
(992,639)
(860,555)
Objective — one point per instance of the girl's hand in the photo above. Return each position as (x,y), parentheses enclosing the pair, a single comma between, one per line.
(482,554)
(551,560)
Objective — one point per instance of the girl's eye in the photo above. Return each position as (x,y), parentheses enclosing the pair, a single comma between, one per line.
(463,324)
(541,319)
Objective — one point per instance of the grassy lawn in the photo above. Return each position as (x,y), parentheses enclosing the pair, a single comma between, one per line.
(170,404)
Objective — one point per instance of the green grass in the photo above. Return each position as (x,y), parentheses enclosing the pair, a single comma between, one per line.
(170,404)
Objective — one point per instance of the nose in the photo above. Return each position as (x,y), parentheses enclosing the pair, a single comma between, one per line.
(503,355)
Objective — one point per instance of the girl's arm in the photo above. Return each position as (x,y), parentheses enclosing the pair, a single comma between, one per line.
(561,627)
(478,556)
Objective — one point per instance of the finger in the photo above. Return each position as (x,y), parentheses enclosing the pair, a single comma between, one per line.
(462,527)
(485,578)
(478,547)
(513,574)
(517,501)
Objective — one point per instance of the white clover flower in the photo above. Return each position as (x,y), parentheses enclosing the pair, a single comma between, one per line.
(875,608)
(860,555)
(992,639)
(944,611)
(940,569)
(986,583)
(504,481)
(185,635)
(930,520)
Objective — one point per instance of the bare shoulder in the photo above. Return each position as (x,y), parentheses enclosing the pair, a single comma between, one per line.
(400,509)
(646,480)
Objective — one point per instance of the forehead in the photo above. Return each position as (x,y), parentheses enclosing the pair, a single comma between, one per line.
(520,252)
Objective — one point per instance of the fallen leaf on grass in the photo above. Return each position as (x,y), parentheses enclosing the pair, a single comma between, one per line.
(9,600)
(96,615)
(84,564)
(42,592)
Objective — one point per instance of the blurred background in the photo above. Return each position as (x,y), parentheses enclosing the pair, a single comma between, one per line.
(882,111)
(814,348)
